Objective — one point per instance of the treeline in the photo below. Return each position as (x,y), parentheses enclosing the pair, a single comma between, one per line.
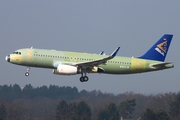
(58,103)
(14,92)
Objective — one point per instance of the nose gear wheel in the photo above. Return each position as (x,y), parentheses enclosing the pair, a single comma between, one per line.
(27,72)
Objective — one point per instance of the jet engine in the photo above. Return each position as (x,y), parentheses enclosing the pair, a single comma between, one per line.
(66,70)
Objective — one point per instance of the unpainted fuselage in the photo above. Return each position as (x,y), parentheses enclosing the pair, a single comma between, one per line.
(51,59)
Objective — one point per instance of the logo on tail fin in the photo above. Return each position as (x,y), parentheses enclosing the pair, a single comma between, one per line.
(162,47)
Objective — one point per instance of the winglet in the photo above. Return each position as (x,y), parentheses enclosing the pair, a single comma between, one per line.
(101,53)
(115,52)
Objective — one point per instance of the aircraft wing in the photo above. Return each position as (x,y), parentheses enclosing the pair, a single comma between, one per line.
(98,61)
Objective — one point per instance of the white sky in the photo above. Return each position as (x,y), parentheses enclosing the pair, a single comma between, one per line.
(91,26)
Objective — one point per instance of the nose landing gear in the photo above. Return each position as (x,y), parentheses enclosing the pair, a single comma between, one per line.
(27,72)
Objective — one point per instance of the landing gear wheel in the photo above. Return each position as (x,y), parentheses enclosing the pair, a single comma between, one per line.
(81,79)
(85,78)
(27,74)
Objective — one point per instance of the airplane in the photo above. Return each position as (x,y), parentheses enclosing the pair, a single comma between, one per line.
(72,63)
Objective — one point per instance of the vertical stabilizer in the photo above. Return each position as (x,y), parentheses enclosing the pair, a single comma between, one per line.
(159,50)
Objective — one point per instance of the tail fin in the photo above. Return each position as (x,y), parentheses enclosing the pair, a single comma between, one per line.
(159,50)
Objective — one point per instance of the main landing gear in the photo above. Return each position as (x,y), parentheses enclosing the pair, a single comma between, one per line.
(27,72)
(84,78)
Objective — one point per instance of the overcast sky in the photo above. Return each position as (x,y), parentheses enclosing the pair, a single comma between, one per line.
(91,26)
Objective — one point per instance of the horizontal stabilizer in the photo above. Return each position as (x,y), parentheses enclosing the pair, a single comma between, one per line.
(158,65)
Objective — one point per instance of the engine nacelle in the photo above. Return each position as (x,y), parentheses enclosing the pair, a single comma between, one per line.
(66,70)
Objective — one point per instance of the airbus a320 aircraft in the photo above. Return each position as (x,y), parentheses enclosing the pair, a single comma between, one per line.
(72,63)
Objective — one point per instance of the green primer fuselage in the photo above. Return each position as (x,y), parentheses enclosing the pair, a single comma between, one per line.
(51,59)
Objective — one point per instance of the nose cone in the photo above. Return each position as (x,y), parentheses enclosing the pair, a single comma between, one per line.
(7,58)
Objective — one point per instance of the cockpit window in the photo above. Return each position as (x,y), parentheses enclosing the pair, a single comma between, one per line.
(17,53)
